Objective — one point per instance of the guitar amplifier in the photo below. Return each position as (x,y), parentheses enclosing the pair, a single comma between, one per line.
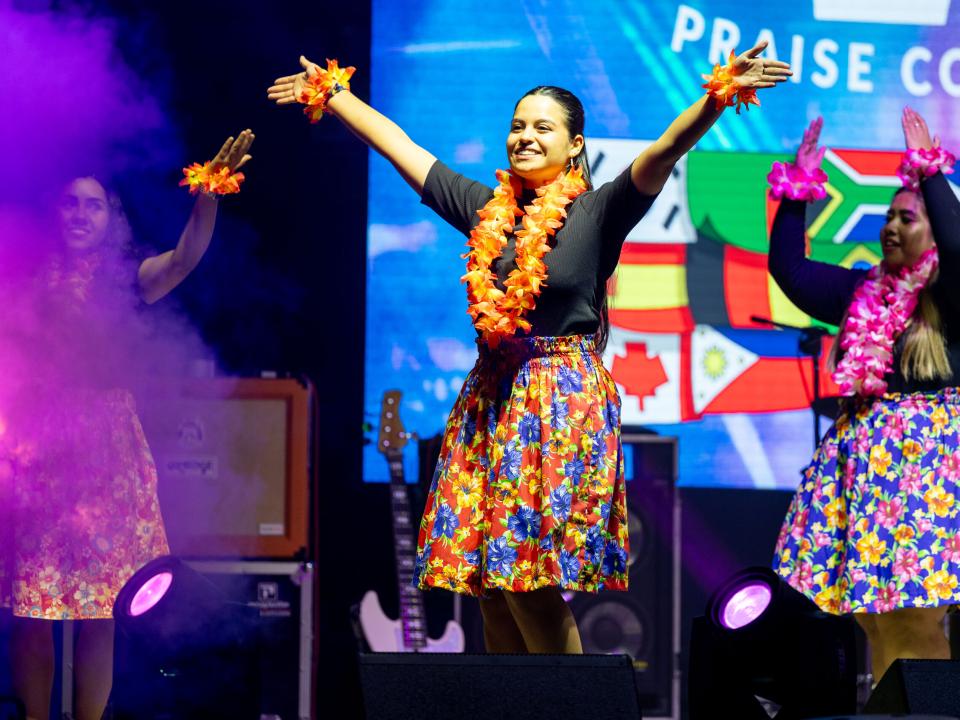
(233,459)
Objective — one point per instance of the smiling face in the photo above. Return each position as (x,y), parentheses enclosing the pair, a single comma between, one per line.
(906,234)
(539,145)
(84,214)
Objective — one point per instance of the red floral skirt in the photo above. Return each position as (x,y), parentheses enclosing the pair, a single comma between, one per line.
(529,491)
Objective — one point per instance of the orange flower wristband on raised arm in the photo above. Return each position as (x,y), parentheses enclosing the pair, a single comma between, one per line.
(203,178)
(322,86)
(725,90)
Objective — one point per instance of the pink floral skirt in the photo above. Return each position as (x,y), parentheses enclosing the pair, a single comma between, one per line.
(875,523)
(80,510)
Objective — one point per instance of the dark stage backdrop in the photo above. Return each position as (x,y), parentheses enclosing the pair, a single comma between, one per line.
(282,286)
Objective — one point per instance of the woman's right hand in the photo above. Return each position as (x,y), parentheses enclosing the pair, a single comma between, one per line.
(916,134)
(286,90)
(378,131)
(809,156)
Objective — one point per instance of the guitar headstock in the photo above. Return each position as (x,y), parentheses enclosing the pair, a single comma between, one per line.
(392,437)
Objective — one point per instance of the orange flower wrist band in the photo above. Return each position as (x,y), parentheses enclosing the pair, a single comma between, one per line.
(322,86)
(725,90)
(203,178)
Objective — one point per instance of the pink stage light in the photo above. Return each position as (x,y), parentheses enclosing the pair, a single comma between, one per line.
(745,605)
(150,593)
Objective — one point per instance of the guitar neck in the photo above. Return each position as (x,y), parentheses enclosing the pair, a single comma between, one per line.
(404,547)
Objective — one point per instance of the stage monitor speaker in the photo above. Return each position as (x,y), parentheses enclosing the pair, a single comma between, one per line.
(439,686)
(918,686)
(233,459)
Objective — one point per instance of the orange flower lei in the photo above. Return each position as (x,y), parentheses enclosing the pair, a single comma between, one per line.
(322,86)
(203,178)
(725,91)
(497,313)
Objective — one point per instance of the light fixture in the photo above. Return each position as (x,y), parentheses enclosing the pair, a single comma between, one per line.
(183,650)
(764,647)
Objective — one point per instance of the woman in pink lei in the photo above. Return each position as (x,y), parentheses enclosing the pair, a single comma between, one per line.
(82,515)
(873,527)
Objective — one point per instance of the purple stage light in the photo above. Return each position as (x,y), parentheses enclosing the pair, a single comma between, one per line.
(150,593)
(745,605)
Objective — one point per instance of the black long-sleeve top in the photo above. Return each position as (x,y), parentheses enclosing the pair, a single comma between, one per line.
(825,291)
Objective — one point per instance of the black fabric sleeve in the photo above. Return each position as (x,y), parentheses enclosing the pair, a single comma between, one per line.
(454,197)
(943,210)
(616,206)
(821,290)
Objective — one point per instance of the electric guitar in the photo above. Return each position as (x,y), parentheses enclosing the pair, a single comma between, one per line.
(409,633)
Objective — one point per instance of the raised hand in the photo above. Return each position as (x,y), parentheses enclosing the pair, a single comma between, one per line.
(916,134)
(233,154)
(751,71)
(286,90)
(809,156)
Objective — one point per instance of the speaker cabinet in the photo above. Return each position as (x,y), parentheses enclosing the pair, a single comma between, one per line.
(233,459)
(643,622)
(918,686)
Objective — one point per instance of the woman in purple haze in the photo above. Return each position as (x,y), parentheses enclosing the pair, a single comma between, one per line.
(81,484)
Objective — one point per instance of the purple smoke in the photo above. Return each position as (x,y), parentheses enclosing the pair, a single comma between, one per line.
(81,356)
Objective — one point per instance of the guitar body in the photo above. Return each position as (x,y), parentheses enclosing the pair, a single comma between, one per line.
(386,635)
(409,632)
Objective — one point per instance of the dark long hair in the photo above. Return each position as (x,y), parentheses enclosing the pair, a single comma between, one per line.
(120,255)
(574,118)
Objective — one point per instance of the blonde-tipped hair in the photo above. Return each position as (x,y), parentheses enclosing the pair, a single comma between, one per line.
(924,354)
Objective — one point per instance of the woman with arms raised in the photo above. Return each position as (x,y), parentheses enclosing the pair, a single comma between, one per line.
(528,494)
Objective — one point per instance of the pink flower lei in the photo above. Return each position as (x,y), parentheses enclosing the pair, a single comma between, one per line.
(881,309)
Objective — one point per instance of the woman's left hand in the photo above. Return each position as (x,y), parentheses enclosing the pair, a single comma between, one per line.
(916,134)
(750,71)
(233,154)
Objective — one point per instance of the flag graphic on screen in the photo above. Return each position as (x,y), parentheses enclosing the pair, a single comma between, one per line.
(682,342)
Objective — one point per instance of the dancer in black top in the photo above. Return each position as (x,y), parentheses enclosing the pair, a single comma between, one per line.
(528,495)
